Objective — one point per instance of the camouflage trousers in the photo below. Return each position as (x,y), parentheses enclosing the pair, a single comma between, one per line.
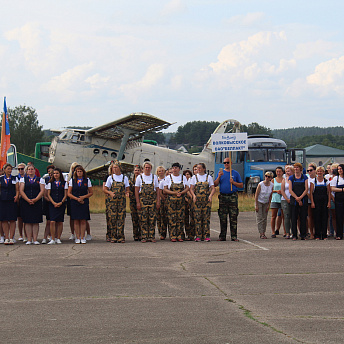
(135,219)
(147,216)
(107,216)
(189,220)
(117,213)
(175,211)
(162,220)
(228,207)
(202,219)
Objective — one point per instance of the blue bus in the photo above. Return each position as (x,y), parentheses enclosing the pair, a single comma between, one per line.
(264,154)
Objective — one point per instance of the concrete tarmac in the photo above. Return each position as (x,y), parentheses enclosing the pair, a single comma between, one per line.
(251,291)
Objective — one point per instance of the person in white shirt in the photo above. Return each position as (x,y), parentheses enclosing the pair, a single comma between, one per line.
(285,199)
(9,194)
(147,201)
(337,186)
(189,211)
(133,208)
(320,203)
(57,194)
(79,192)
(31,190)
(202,190)
(263,199)
(311,172)
(162,220)
(117,187)
(176,186)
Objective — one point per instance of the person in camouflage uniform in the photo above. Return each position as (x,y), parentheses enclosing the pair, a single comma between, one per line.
(147,201)
(117,187)
(162,219)
(176,186)
(202,190)
(229,181)
(189,211)
(133,208)
(107,208)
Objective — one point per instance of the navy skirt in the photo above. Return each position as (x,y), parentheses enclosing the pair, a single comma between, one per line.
(8,211)
(57,214)
(31,213)
(79,211)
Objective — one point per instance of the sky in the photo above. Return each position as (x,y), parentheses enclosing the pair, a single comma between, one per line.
(86,63)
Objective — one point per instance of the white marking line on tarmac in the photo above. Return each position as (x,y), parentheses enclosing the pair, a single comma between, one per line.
(246,241)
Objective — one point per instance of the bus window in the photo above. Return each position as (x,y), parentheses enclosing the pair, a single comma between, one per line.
(256,155)
(276,155)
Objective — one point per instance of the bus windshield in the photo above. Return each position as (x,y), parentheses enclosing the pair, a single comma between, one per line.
(256,155)
(266,155)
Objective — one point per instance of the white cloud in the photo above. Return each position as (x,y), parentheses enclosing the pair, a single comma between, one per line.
(245,52)
(174,7)
(96,81)
(310,49)
(69,82)
(329,76)
(248,19)
(154,74)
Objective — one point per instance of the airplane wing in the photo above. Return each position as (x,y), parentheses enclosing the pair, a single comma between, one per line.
(101,171)
(135,125)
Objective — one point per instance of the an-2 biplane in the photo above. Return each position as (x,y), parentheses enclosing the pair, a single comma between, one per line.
(122,140)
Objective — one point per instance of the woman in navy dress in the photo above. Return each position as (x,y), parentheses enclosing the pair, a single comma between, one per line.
(21,167)
(8,203)
(79,191)
(57,195)
(31,189)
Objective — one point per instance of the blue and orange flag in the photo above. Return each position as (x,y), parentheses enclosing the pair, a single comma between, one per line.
(5,136)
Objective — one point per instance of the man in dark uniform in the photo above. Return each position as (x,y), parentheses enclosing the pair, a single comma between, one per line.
(230,182)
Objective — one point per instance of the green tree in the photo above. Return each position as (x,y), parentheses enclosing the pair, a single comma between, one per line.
(25,129)
(195,133)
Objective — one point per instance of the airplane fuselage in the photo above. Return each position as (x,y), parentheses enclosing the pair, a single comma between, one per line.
(91,151)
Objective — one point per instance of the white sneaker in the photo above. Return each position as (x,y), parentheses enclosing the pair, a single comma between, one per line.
(83,241)
(44,241)
(25,240)
(58,241)
(7,242)
(20,239)
(28,243)
(2,240)
(72,237)
(88,237)
(36,242)
(77,241)
(51,242)
(12,241)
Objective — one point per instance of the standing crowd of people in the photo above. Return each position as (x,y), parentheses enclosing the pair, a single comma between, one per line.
(179,203)
(311,204)
(25,198)
(308,205)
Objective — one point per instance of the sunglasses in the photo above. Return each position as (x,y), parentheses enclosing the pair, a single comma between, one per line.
(20,169)
(226,162)
(310,170)
(268,177)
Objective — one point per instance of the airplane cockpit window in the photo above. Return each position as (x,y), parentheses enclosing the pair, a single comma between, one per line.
(82,137)
(65,135)
(75,138)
